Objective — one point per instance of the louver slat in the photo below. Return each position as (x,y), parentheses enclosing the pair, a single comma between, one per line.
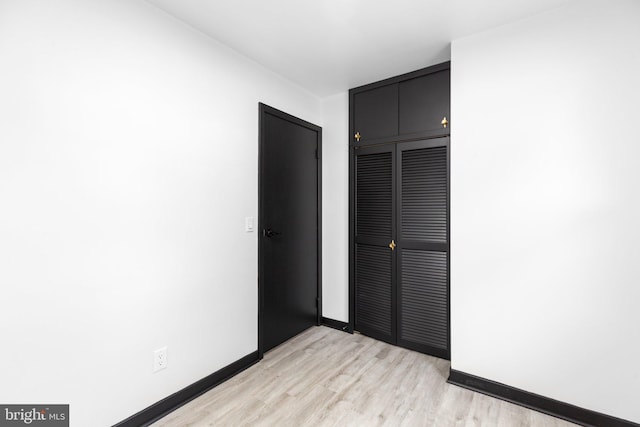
(424,194)
(374,198)
(373,288)
(423,298)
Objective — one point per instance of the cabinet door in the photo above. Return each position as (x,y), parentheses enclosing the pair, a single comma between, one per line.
(374,230)
(424,102)
(375,113)
(423,283)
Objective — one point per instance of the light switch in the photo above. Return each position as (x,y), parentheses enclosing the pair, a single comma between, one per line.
(248,224)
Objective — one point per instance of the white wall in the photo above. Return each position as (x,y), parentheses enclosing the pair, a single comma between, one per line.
(128,161)
(545,205)
(335,207)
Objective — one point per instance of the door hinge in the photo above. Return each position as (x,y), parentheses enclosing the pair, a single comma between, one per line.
(317,156)
(317,302)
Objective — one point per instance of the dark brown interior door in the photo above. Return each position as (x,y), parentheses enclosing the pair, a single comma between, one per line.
(289,223)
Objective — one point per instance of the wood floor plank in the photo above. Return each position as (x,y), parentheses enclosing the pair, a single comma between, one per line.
(324,377)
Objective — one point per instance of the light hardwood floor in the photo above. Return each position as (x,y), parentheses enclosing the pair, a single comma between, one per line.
(324,377)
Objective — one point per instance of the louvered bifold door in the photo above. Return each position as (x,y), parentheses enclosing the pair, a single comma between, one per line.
(374,231)
(423,243)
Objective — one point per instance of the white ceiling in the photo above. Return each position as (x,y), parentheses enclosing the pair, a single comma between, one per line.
(328,46)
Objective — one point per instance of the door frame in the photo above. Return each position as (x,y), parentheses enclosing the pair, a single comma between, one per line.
(263,111)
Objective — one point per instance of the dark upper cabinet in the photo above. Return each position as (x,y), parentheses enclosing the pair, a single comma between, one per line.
(424,102)
(411,106)
(375,113)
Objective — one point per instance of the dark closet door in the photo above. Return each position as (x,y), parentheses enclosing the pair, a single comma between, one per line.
(375,114)
(423,104)
(374,269)
(423,246)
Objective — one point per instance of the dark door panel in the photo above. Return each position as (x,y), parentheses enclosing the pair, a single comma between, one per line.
(374,293)
(423,103)
(424,194)
(289,209)
(423,322)
(374,193)
(423,246)
(375,113)
(374,231)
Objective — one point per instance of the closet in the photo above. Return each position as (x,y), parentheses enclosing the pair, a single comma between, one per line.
(399,210)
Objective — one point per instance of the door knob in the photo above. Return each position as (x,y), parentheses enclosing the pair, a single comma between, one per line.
(444,122)
(357,136)
(392,245)
(270,233)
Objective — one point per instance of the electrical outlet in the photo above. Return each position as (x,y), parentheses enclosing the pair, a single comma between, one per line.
(159,359)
